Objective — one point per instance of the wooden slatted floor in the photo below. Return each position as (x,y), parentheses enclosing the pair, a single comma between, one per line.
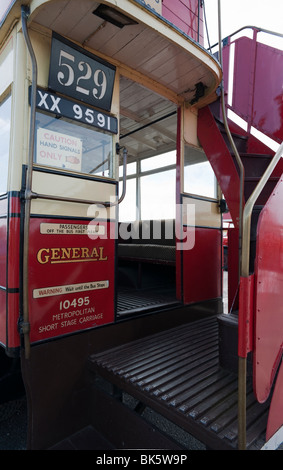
(177,373)
(131,302)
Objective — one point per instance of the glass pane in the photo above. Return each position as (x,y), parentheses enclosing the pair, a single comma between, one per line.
(158,161)
(5,125)
(131,169)
(158,195)
(68,145)
(199,177)
(127,208)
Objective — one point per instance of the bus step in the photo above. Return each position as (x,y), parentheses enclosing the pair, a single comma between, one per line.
(177,374)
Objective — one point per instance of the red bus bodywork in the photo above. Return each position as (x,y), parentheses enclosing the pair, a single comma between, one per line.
(74,329)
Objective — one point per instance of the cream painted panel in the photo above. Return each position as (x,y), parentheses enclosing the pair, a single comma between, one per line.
(41,44)
(6,66)
(155,5)
(190,126)
(206,212)
(20,115)
(46,208)
(71,187)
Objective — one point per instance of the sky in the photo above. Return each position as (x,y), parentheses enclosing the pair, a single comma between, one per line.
(239,13)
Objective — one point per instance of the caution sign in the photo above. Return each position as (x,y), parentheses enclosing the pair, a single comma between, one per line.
(58,150)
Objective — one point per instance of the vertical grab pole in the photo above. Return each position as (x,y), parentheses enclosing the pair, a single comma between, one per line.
(242,362)
(25,326)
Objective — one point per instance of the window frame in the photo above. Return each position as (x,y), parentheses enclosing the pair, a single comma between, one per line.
(141,173)
(5,97)
(112,166)
(198,194)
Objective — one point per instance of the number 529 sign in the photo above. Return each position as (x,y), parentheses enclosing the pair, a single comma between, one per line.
(77,73)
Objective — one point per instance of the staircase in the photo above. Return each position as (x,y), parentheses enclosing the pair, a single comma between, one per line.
(223,161)
(254,324)
(211,129)
(213,138)
(253,99)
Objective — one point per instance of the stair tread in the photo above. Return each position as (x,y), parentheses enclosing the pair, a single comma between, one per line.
(252,155)
(257,178)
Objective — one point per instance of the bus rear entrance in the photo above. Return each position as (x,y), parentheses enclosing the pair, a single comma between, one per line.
(112,210)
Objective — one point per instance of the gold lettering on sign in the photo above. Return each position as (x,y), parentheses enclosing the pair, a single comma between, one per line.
(70,255)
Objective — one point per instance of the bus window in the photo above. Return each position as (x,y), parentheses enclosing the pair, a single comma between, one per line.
(128,208)
(151,187)
(5,124)
(159,161)
(69,145)
(199,178)
(158,195)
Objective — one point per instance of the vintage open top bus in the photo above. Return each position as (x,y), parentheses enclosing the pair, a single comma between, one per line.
(120,153)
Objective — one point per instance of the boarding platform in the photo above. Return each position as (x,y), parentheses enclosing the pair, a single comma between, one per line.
(176,373)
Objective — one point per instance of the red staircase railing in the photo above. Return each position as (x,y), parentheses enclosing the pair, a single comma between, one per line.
(253,87)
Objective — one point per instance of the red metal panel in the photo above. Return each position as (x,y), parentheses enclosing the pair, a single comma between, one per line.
(13,337)
(13,273)
(3,269)
(233,269)
(243,75)
(257,85)
(71,278)
(14,249)
(245,342)
(221,161)
(3,244)
(184,15)
(275,417)
(13,270)
(268,338)
(3,251)
(202,267)
(268,94)
(225,68)
(3,317)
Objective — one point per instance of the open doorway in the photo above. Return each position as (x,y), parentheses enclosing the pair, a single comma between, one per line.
(146,271)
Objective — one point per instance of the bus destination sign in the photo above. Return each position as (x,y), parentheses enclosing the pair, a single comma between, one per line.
(79,74)
(70,109)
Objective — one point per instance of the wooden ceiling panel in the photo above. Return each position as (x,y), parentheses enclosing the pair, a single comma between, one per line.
(47,20)
(69,16)
(141,48)
(159,55)
(117,42)
(85,26)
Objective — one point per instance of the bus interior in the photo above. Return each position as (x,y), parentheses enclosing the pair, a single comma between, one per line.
(146,261)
